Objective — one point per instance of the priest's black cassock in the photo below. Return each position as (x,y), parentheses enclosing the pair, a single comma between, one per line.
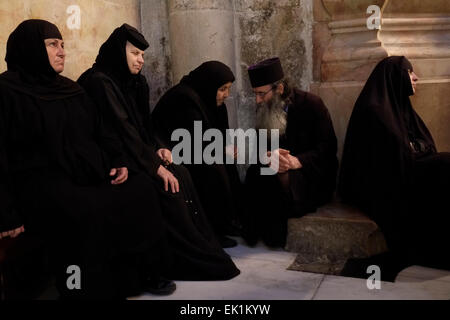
(310,137)
(55,159)
(123,100)
(392,171)
(194,99)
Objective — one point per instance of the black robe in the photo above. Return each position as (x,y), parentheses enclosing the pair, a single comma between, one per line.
(194,99)
(55,159)
(310,137)
(123,102)
(391,169)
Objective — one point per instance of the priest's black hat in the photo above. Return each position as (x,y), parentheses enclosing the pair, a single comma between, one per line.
(265,72)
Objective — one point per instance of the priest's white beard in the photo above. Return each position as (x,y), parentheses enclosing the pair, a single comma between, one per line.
(271,115)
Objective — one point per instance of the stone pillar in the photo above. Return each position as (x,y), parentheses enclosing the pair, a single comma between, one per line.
(199,31)
(347,60)
(157,67)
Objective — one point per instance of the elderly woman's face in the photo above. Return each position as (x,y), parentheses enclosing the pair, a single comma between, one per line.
(414,80)
(56,53)
(135,58)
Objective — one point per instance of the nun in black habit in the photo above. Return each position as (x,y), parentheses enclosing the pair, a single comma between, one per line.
(392,171)
(62,177)
(199,96)
(122,95)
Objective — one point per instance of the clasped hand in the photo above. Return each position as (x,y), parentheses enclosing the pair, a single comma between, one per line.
(283,160)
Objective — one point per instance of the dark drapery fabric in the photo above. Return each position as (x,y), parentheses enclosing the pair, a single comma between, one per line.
(194,99)
(273,199)
(55,158)
(196,253)
(388,157)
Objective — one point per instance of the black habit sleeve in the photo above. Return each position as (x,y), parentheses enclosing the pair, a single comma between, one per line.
(9,218)
(107,138)
(324,147)
(176,111)
(153,136)
(107,98)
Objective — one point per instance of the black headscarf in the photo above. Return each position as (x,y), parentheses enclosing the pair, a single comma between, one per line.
(378,155)
(112,61)
(207,79)
(29,69)
(112,57)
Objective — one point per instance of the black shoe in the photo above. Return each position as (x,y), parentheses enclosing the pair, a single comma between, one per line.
(355,268)
(226,242)
(234,229)
(160,286)
(249,237)
(390,265)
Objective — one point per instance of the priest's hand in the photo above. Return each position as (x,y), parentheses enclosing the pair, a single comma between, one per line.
(169,179)
(165,155)
(279,160)
(12,233)
(122,175)
(294,162)
(286,161)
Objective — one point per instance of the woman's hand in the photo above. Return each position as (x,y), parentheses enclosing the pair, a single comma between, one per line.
(165,155)
(12,233)
(122,175)
(169,179)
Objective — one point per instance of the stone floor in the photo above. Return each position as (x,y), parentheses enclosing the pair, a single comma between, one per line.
(264,277)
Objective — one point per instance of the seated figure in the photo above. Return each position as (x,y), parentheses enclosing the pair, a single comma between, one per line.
(121,94)
(199,97)
(392,171)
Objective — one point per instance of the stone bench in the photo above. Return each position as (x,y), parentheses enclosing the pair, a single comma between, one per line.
(325,239)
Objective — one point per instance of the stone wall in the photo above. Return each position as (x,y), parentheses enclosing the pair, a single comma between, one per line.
(236,32)
(98,19)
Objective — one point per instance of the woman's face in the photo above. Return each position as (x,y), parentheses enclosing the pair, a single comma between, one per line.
(56,54)
(414,80)
(222,93)
(135,58)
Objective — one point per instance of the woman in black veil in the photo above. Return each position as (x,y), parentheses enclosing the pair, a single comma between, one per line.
(200,96)
(392,171)
(121,94)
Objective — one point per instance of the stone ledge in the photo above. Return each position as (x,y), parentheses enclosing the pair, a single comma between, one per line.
(325,239)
